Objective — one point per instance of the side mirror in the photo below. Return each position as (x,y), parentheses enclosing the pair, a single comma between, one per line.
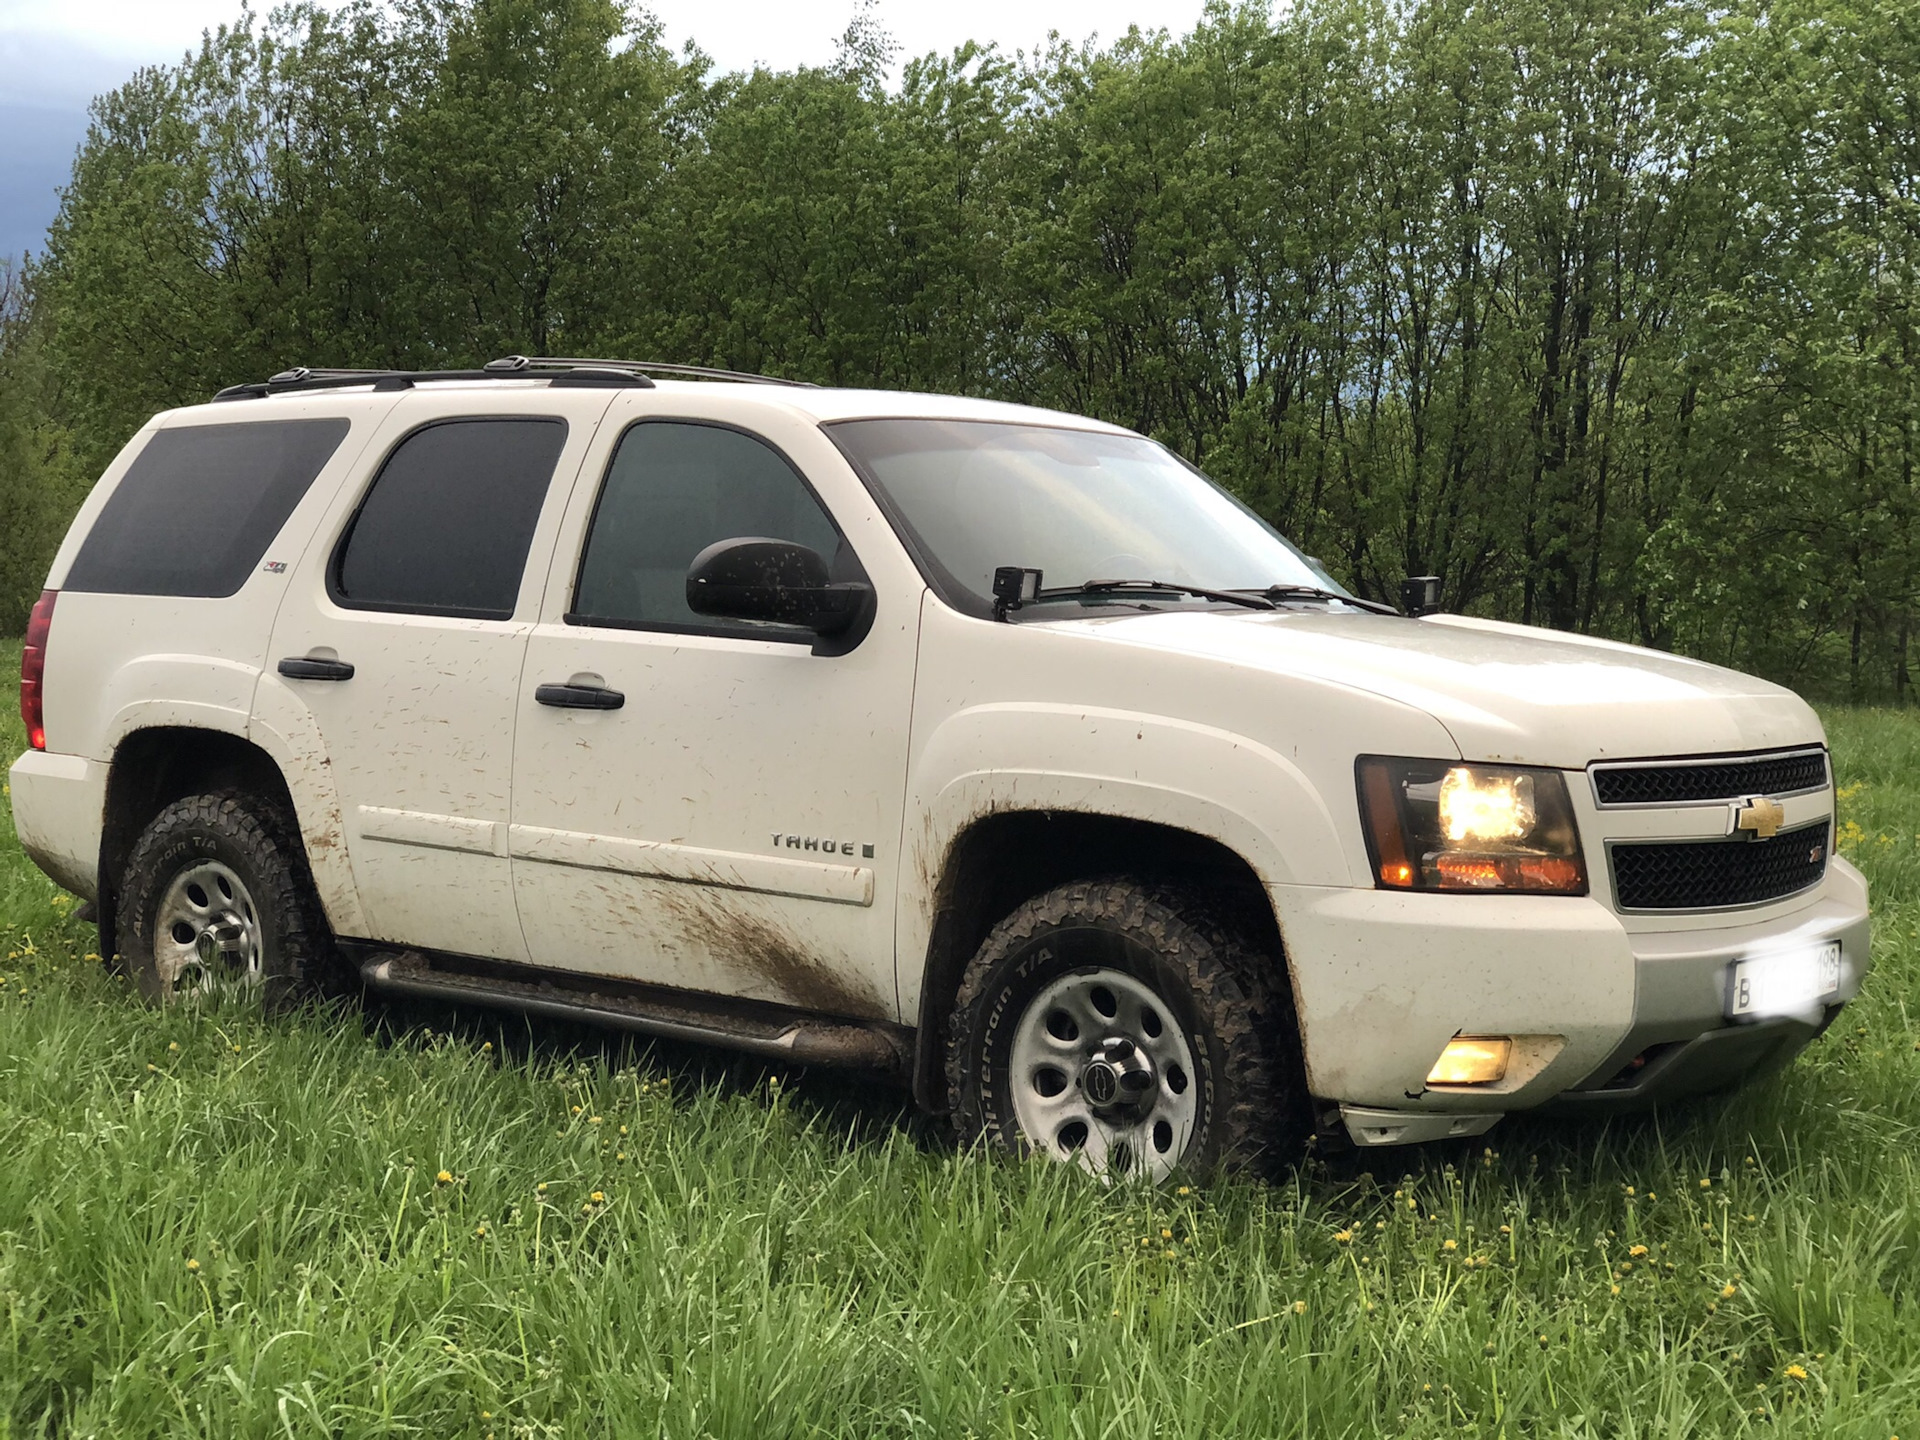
(752,578)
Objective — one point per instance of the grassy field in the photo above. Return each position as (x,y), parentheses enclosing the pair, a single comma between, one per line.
(412,1223)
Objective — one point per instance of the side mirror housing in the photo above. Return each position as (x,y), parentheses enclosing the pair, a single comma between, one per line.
(754,578)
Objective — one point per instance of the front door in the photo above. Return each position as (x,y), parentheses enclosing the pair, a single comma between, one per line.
(733,827)
(402,636)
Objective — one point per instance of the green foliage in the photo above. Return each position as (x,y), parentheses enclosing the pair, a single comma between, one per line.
(211,1225)
(38,486)
(1603,312)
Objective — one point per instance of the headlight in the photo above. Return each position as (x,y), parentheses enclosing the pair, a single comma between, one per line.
(1435,825)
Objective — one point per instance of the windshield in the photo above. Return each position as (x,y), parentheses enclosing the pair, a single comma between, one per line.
(1076,505)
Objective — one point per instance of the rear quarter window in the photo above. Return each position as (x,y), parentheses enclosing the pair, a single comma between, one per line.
(199,505)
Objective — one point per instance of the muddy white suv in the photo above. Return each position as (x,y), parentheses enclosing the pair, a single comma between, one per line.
(994,747)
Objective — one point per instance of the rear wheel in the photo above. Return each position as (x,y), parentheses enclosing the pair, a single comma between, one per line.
(216,900)
(1123,1029)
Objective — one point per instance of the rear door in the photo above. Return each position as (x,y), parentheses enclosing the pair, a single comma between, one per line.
(401,640)
(734,826)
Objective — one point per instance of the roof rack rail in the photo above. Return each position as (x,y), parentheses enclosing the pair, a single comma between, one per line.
(567,373)
(563,372)
(699,372)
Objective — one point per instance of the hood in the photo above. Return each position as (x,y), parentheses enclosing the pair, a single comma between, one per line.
(1507,693)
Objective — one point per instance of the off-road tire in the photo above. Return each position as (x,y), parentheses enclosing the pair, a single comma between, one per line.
(260,842)
(1231,1001)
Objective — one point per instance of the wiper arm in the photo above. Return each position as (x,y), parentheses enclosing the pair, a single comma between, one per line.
(1314,592)
(1154,587)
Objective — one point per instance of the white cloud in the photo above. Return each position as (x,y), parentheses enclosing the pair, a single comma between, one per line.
(737,33)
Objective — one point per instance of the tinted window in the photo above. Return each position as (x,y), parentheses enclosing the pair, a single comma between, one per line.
(196,509)
(445,528)
(674,489)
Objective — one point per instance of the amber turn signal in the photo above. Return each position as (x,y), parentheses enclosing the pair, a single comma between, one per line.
(1472,1060)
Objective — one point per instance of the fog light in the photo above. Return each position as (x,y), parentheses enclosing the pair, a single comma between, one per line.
(1472,1060)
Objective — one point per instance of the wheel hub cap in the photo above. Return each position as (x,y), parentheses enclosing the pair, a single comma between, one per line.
(1102,1076)
(1119,1081)
(206,932)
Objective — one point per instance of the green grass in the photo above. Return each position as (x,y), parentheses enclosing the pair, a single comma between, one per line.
(211,1225)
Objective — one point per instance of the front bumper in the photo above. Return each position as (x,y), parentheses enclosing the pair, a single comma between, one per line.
(1610,1018)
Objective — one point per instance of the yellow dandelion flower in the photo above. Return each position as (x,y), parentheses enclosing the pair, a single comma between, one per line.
(485,1046)
(1615,1289)
(1637,1251)
(445,1177)
(1166,1234)
(575,1110)
(623,1129)
(1379,1224)
(1506,1229)
(480,1230)
(193,1265)
(1705,1183)
(173,1047)
(621,1156)
(1629,1190)
(1795,1372)
(1345,1237)
(1449,1244)
(1727,1292)
(598,1197)
(1166,1255)
(1184,1190)
(593,1120)
(1299,1307)
(153,1069)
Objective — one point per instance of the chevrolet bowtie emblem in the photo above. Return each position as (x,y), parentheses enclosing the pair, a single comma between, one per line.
(1759,816)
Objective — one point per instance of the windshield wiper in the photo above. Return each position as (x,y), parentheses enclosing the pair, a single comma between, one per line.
(1314,592)
(1153,587)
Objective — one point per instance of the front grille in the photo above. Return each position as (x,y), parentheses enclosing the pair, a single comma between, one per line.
(1717,874)
(1730,779)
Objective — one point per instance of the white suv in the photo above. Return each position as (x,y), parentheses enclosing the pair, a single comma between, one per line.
(994,747)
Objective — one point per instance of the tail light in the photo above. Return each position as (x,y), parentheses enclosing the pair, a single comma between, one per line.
(33,667)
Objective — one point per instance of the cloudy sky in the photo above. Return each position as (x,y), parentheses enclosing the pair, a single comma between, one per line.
(56,54)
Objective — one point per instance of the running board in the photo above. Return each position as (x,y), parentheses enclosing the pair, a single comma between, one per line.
(768,1031)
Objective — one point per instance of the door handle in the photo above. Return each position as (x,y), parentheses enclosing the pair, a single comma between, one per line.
(306,667)
(579,697)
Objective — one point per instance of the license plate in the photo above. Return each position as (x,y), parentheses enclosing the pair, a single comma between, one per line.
(1789,983)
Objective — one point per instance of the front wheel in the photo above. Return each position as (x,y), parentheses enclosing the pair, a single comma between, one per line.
(215,899)
(1120,1028)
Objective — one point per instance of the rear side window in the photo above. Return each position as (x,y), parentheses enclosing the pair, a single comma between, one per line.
(199,505)
(673,489)
(445,527)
